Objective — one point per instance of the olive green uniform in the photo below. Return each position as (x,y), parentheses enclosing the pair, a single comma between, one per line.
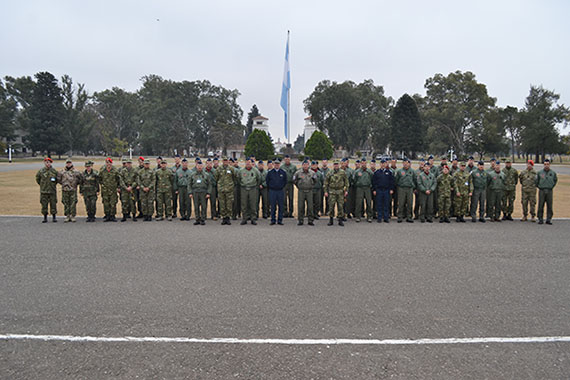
(226,178)
(496,194)
(405,181)
(263,195)
(362,180)
(545,181)
(89,188)
(199,185)
(47,179)
(289,190)
(164,179)
(511,180)
(479,197)
(318,193)
(147,179)
(249,181)
(128,178)
(426,182)
(180,184)
(174,169)
(214,194)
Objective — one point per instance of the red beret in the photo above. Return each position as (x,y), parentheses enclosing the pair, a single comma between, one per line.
(48,159)
(531,162)
(109,159)
(141,158)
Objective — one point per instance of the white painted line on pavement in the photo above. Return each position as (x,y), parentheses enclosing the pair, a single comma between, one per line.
(374,342)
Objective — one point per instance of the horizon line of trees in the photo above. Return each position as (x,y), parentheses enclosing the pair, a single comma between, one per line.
(165,116)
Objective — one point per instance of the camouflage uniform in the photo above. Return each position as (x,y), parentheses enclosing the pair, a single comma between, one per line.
(69,178)
(180,184)
(226,178)
(147,179)
(128,177)
(324,204)
(511,180)
(110,183)
(444,186)
(496,194)
(89,188)
(362,179)
(528,192)
(164,179)
(305,181)
(214,194)
(336,184)
(263,195)
(47,179)
(174,169)
(138,192)
(199,185)
(462,184)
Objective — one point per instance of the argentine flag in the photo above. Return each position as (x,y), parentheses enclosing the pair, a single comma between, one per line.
(285,89)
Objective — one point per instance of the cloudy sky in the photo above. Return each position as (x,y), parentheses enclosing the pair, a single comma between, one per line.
(240,44)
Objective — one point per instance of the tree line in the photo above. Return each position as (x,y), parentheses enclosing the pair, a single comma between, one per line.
(165,116)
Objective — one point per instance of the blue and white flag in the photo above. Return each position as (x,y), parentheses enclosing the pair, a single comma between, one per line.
(285,88)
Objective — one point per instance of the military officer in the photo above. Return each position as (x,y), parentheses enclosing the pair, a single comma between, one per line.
(305,180)
(147,184)
(226,178)
(180,185)
(263,192)
(362,179)
(426,185)
(128,182)
(546,179)
(213,196)
(496,188)
(290,169)
(444,188)
(336,190)
(89,188)
(46,177)
(479,196)
(406,183)
(527,179)
(511,180)
(317,190)
(110,183)
(462,189)
(69,178)
(249,180)
(177,165)
(200,189)
(164,179)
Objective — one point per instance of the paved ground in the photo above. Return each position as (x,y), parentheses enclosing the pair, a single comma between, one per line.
(364,281)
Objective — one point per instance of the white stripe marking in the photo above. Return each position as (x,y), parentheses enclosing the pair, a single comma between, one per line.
(375,342)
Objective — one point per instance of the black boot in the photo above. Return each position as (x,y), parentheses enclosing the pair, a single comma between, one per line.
(45,219)
(340,222)
(54,219)
(124,218)
(330,223)
(134,217)
(106,219)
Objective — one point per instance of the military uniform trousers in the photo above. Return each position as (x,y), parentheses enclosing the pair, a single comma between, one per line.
(200,205)
(444,205)
(461,204)
(405,199)
(317,198)
(69,200)
(289,191)
(528,197)
(426,206)
(164,203)
(305,198)
(90,203)
(363,195)
(226,199)
(110,199)
(545,196)
(509,202)
(236,204)
(496,203)
(249,198)
(478,200)
(213,200)
(147,202)
(276,198)
(383,203)
(264,199)
(185,202)
(48,199)
(174,203)
(128,201)
(350,201)
(138,198)
(336,198)
(417,204)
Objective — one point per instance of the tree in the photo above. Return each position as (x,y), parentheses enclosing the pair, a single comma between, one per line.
(510,120)
(538,122)
(319,146)
(249,125)
(348,111)
(79,119)
(46,116)
(259,145)
(299,144)
(7,114)
(453,105)
(408,133)
(489,135)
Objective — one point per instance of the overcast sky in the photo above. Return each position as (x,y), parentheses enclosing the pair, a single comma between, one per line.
(509,45)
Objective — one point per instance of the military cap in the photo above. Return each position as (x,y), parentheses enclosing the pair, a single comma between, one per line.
(407,160)
(260,162)
(159,158)
(493,159)
(197,159)
(127,160)
(89,163)
(508,160)
(164,162)
(344,159)
(462,163)
(224,158)
(498,162)
(209,160)
(199,162)
(531,162)
(357,161)
(335,162)
(324,159)
(422,160)
(177,156)
(313,162)
(430,157)
(305,162)
(480,163)
(382,161)
(363,159)
(215,158)
(141,158)
(109,159)
(231,159)
(68,161)
(287,156)
(269,161)
(373,160)
(147,161)
(277,161)
(470,158)
(184,159)
(546,160)
(444,158)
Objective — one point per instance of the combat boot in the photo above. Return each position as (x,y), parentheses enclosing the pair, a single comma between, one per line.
(446,220)
(330,223)
(134,217)
(45,219)
(458,219)
(112,218)
(54,219)
(228,222)
(72,219)
(340,223)
(66,219)
(124,218)
(197,222)
(106,219)
(202,222)
(524,219)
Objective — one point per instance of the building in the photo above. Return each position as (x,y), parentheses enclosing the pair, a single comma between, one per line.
(308,129)
(261,123)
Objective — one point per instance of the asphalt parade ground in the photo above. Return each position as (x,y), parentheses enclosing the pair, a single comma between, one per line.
(174,300)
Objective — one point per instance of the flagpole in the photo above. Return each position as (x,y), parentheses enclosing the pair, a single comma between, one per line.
(289,98)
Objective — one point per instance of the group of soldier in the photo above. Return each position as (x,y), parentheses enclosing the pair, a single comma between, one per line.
(364,191)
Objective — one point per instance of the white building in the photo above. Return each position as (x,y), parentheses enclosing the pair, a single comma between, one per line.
(261,123)
(309,128)
(279,145)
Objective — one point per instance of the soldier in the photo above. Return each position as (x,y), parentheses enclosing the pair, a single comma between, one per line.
(305,180)
(276,182)
(452,170)
(46,177)
(528,191)
(347,202)
(263,193)
(158,161)
(462,189)
(511,180)
(249,181)
(336,190)
(164,179)
(350,204)
(427,184)
(317,189)
(89,188)
(226,177)
(200,188)
(496,189)
(419,171)
(383,182)
(216,164)
(394,200)
(110,182)
(69,178)
(470,164)
(137,190)
(290,169)
(374,208)
(180,186)
(546,179)
(213,197)
(177,165)
(147,184)
(128,181)
(444,188)
(362,179)
(479,196)
(406,182)
(324,169)
(236,206)
(491,169)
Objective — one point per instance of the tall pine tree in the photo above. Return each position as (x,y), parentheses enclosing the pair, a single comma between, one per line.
(408,133)
(249,126)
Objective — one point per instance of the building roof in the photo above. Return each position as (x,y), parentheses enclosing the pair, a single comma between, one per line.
(308,118)
(260,118)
